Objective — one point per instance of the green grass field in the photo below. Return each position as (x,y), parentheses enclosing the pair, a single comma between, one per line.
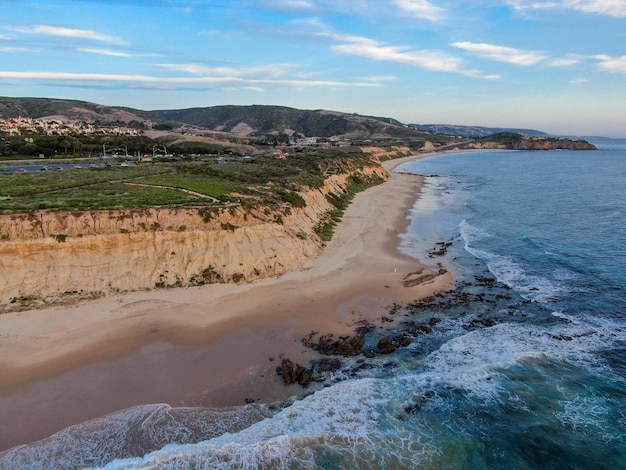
(107,188)
(265,180)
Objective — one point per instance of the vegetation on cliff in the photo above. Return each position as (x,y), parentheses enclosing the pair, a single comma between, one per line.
(255,181)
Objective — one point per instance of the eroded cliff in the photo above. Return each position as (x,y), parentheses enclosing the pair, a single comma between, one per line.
(45,256)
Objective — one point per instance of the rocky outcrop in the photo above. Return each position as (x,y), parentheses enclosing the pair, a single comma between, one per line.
(556,144)
(508,141)
(45,255)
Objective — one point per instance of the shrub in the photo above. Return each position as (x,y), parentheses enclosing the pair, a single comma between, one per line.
(228,226)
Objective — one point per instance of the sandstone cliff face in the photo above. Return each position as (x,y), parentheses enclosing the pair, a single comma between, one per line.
(46,254)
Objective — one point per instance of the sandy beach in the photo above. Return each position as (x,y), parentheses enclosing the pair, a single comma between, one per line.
(215,345)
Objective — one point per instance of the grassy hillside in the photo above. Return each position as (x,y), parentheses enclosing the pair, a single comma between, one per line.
(255,120)
(263,120)
(72,110)
(260,181)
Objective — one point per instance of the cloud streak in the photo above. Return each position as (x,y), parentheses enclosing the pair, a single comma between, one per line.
(16,50)
(612,64)
(106,52)
(434,61)
(224,81)
(615,8)
(267,71)
(420,9)
(48,30)
(502,54)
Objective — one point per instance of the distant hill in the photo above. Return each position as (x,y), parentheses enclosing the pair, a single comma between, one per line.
(264,120)
(72,110)
(258,120)
(474,131)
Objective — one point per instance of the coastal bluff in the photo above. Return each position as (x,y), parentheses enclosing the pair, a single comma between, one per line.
(46,257)
(513,141)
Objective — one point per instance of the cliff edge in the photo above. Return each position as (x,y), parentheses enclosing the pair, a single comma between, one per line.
(48,256)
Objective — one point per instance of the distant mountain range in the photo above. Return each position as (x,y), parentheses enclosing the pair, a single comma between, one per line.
(474,131)
(247,120)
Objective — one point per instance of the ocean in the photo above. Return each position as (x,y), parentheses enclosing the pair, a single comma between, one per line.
(522,366)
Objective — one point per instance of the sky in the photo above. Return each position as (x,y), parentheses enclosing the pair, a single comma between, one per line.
(558,66)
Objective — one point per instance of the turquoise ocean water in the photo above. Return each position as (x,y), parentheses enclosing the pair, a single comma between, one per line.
(525,367)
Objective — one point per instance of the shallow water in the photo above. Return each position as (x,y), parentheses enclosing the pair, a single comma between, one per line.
(525,367)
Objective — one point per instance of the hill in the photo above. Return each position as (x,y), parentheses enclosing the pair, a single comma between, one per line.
(72,111)
(254,120)
(267,120)
(474,131)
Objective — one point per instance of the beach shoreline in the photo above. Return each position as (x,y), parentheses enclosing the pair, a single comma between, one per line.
(214,345)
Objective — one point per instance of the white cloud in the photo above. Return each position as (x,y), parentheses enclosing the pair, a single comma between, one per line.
(224,81)
(436,61)
(288,4)
(48,30)
(421,9)
(579,81)
(615,8)
(16,50)
(567,61)
(267,71)
(379,78)
(502,54)
(357,40)
(611,64)
(106,52)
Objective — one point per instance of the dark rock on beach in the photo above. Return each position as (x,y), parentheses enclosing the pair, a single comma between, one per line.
(390,344)
(440,249)
(417,278)
(292,373)
(328,345)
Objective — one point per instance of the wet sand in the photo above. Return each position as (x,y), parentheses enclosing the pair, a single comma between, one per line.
(214,345)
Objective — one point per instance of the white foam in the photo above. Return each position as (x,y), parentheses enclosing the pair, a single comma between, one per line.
(470,233)
(137,429)
(343,420)
(512,273)
(355,421)
(583,413)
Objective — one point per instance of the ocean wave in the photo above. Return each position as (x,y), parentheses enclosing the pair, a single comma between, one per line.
(131,432)
(512,273)
(470,233)
(405,420)
(401,420)
(342,427)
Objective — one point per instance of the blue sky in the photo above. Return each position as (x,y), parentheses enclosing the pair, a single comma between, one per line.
(558,66)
